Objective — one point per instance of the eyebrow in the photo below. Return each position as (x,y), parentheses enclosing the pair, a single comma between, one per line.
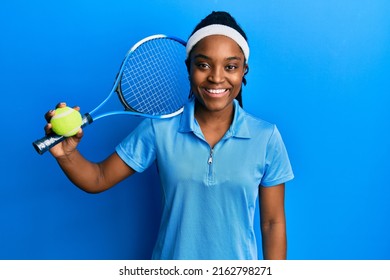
(209,58)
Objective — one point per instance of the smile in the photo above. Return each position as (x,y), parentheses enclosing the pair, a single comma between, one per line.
(217,91)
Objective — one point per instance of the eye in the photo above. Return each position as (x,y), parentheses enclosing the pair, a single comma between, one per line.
(231,67)
(202,65)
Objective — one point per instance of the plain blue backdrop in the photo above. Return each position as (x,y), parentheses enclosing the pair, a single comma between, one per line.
(318,69)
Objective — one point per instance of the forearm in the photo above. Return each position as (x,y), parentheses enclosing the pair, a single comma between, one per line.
(84,174)
(274,241)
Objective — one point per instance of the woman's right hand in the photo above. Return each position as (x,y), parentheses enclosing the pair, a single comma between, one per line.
(69,145)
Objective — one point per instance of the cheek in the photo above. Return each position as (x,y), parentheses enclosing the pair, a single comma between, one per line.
(196,78)
(237,79)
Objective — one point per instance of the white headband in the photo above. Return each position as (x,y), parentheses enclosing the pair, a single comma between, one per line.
(218,29)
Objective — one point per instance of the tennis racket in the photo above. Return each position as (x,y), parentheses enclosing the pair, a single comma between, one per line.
(152,82)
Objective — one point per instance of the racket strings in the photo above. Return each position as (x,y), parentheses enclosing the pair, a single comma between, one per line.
(153,80)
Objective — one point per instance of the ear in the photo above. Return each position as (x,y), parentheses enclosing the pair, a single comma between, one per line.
(188,64)
(246,69)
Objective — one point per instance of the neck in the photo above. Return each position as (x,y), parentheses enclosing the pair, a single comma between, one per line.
(214,125)
(218,118)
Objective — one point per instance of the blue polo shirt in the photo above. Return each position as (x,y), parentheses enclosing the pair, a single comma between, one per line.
(209,195)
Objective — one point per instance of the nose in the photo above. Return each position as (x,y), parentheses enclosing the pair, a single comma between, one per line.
(216,75)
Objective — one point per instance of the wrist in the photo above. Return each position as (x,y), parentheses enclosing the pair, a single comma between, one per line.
(67,156)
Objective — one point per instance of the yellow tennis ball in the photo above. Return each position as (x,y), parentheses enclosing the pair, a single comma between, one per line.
(66,121)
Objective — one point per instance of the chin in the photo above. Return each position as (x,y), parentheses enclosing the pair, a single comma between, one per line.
(214,105)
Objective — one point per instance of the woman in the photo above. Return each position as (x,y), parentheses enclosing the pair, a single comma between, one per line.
(214,159)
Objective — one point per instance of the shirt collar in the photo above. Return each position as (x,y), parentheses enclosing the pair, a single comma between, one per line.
(239,127)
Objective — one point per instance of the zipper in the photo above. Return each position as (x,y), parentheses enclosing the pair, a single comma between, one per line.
(210,160)
(210,175)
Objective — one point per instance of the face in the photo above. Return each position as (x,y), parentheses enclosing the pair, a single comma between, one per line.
(217,67)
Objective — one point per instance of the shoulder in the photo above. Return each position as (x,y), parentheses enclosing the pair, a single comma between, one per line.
(164,125)
(258,122)
(256,125)
(151,127)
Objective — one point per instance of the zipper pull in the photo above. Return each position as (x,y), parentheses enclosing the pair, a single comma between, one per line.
(210,160)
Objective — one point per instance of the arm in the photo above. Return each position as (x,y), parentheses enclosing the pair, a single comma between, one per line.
(273,222)
(94,177)
(88,176)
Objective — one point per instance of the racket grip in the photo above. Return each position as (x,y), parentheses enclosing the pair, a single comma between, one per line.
(45,143)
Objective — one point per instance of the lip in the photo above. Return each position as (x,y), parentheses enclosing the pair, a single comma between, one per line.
(216,92)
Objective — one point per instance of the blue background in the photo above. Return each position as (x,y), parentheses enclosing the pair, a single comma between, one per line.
(318,69)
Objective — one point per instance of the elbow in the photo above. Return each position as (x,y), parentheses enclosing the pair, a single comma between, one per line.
(91,191)
(91,188)
(271,225)
(268,225)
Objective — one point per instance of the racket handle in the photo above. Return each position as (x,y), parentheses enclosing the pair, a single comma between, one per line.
(44,144)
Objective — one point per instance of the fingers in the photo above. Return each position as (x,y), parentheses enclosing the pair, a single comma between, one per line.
(47,129)
(79,134)
(51,113)
(48,117)
(63,104)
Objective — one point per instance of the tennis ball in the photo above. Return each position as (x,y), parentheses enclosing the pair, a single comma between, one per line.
(66,121)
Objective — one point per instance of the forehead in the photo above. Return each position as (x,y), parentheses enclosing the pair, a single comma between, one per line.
(219,45)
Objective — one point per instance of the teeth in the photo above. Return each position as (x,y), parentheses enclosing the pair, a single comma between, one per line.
(216,91)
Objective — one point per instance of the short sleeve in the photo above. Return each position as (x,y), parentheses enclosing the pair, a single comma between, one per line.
(278,169)
(138,149)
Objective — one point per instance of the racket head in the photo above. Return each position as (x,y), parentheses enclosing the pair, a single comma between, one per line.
(153,79)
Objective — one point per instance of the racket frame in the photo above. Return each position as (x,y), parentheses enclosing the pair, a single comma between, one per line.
(128,110)
(44,144)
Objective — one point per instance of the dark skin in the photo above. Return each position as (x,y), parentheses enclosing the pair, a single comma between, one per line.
(88,176)
(217,67)
(216,70)
(273,222)
(215,81)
